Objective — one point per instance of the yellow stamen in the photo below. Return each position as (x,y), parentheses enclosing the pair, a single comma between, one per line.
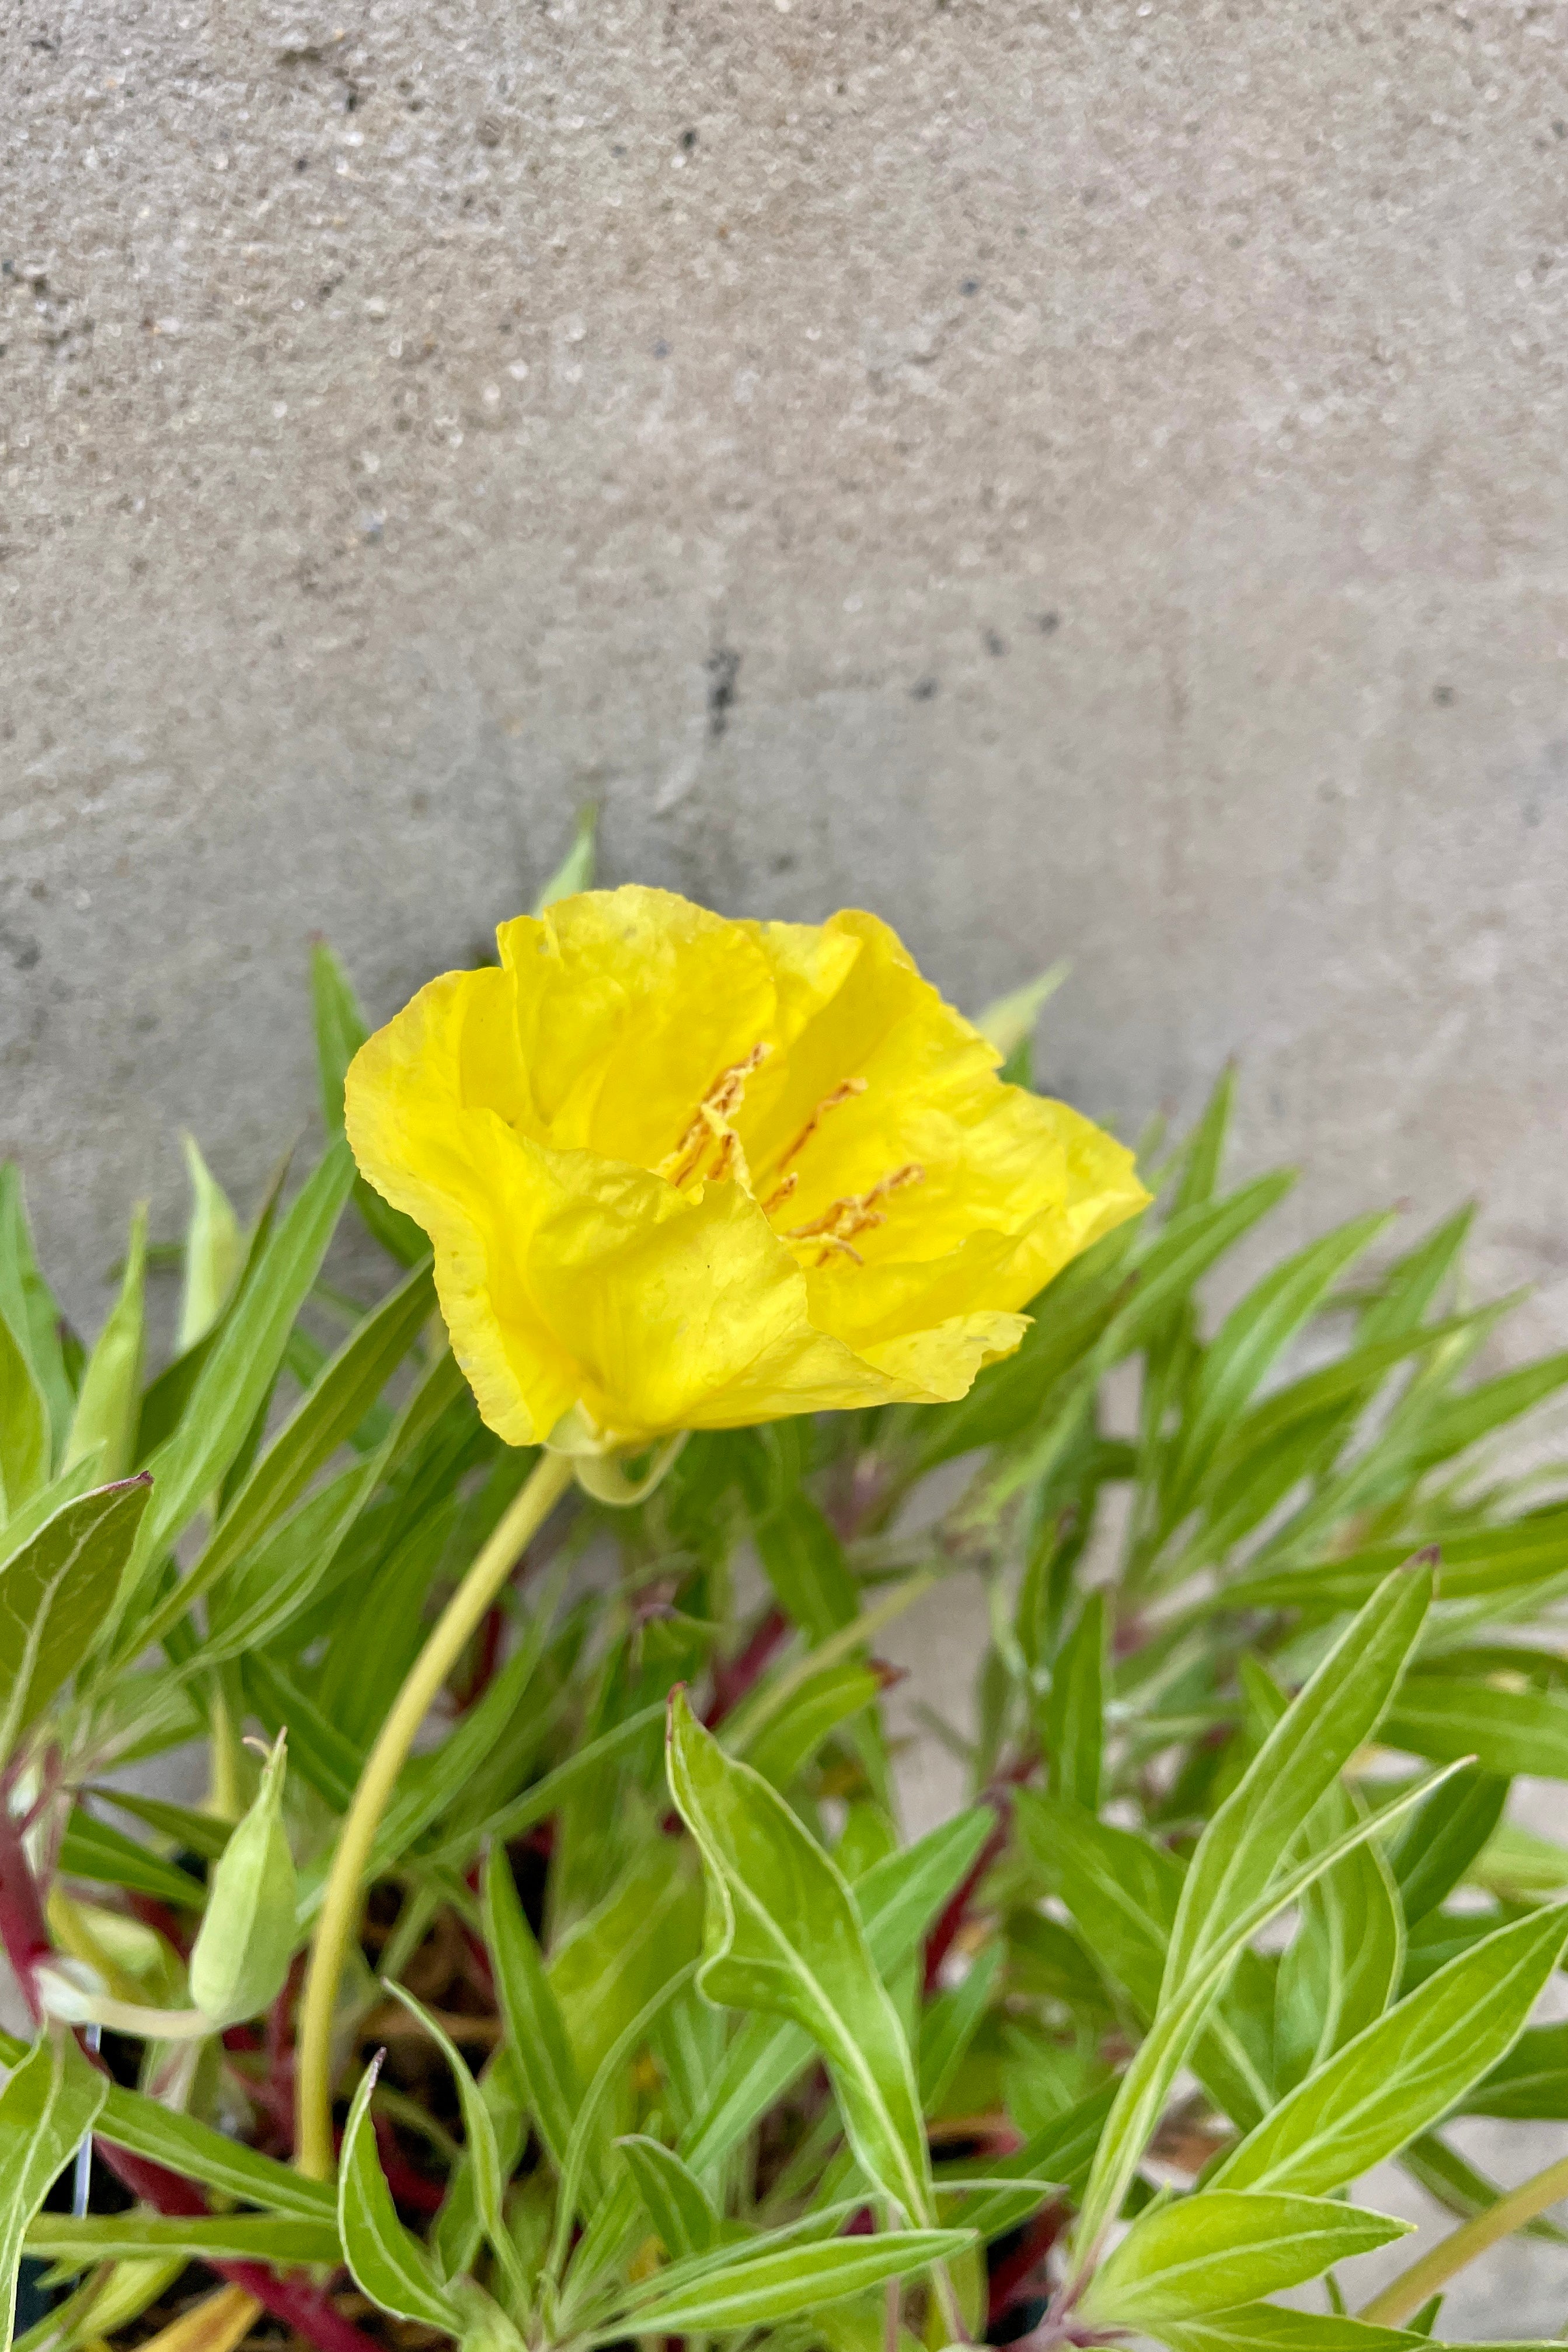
(711,1126)
(856,1213)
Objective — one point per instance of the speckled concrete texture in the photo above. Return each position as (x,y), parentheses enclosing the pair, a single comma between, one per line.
(1084,478)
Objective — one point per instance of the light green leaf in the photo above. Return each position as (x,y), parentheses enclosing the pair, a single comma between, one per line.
(1074,1712)
(1275,2328)
(329,1413)
(388,2261)
(1507,1731)
(246,1941)
(1344,1965)
(481,2145)
(1008,1022)
(94,1849)
(575,871)
(30,1306)
(897,1900)
(1237,1882)
(54,1595)
(950,2024)
(284,1574)
(1530,2083)
(23,1426)
(589,2146)
(786,1744)
(1445,1837)
(1219,2247)
(1247,1343)
(678,2205)
(110,1403)
(340,1033)
(785,1935)
(1339,1710)
(215,1251)
(220,2237)
(183,2144)
(238,1373)
(536,2028)
(760,2289)
(1405,2070)
(46,2108)
(605,1968)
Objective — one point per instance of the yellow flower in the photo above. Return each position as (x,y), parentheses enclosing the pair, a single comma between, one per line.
(686,1173)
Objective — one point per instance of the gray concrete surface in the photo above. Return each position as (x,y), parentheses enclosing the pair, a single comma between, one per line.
(1084,478)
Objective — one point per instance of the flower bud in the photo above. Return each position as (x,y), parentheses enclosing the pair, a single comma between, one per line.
(247,1939)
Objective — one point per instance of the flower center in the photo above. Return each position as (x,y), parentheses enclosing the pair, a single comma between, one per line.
(711,1131)
(710,1148)
(856,1213)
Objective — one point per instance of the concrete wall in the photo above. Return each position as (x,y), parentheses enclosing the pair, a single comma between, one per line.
(1084,478)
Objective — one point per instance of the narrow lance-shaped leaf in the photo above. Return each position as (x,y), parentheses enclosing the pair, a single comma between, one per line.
(45,2109)
(1239,1856)
(763,2288)
(785,1935)
(1218,2249)
(1405,2070)
(23,1426)
(109,1403)
(536,2028)
(240,1370)
(678,2205)
(388,2261)
(54,1595)
(215,1250)
(482,2147)
(1074,1711)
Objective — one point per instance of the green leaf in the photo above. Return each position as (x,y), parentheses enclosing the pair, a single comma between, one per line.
(589,2144)
(387,2261)
(535,2029)
(54,1595)
(1405,2070)
(215,1251)
(217,2238)
(180,2142)
(1275,2328)
(1445,1837)
(291,1567)
(1240,1850)
(93,1849)
(340,1033)
(1008,1022)
(785,1935)
(1210,2251)
(1530,2083)
(1248,1342)
(786,1744)
(575,871)
(760,2289)
(246,1941)
(1506,1731)
(803,1562)
(1459,2189)
(1344,1964)
(680,2208)
(200,1833)
(604,1970)
(1237,1884)
(103,1425)
(46,2108)
(897,1900)
(1074,1712)
(28,1306)
(238,1373)
(23,1426)
(950,2024)
(482,2147)
(327,1415)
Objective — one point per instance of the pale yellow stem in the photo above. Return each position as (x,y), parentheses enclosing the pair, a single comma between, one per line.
(345,1890)
(1417,2285)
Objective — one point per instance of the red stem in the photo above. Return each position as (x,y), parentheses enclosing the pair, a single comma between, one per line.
(941,1940)
(299,2305)
(23,1928)
(1014,2269)
(731,1682)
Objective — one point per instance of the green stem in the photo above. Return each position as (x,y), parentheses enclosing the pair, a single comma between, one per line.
(344,1895)
(1415,2286)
